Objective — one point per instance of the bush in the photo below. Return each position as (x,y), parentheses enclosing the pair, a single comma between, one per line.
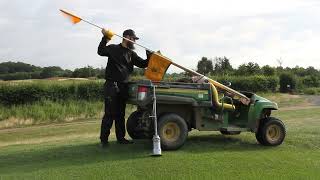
(27,93)
(20,76)
(311,81)
(89,91)
(287,82)
(250,83)
(312,91)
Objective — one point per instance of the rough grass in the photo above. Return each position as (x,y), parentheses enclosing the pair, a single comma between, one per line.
(285,100)
(48,112)
(71,151)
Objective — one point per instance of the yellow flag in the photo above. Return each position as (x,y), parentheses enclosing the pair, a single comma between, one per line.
(157,67)
(74,19)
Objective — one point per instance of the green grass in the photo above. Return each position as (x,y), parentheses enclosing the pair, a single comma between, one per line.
(312,91)
(72,151)
(285,100)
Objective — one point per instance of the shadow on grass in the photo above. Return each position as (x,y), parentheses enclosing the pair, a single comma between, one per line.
(78,154)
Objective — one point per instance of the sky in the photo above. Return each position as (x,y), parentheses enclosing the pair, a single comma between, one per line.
(264,32)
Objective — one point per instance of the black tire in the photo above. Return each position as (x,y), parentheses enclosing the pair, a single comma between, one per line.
(259,131)
(132,124)
(230,132)
(259,137)
(173,131)
(271,132)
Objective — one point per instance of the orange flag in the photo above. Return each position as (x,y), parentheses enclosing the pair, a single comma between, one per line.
(74,19)
(157,67)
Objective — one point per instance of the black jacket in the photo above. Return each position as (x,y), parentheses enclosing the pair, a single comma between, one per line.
(120,61)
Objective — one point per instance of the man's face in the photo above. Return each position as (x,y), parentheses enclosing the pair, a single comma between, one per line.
(130,45)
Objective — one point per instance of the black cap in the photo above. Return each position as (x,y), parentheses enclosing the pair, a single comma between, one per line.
(131,33)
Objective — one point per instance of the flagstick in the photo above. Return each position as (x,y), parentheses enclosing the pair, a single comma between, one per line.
(118,35)
(134,43)
(92,24)
(80,19)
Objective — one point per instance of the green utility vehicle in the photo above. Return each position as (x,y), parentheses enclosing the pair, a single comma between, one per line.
(182,107)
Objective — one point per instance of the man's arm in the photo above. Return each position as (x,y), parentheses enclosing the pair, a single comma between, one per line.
(138,61)
(103,50)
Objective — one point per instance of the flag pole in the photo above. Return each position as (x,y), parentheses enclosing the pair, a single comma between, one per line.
(88,22)
(92,24)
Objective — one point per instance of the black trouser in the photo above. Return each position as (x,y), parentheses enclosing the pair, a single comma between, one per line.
(116,95)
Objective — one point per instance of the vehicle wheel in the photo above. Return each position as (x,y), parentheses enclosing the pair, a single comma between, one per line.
(133,128)
(259,131)
(173,131)
(259,137)
(230,132)
(271,132)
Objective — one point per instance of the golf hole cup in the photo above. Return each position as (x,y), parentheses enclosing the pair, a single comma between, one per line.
(156,145)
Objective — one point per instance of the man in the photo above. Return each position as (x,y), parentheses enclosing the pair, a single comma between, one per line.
(121,59)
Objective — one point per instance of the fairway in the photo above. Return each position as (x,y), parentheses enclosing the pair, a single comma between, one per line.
(72,151)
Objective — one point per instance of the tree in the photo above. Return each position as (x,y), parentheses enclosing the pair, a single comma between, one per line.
(4,69)
(204,66)
(311,71)
(13,67)
(279,70)
(268,71)
(311,81)
(100,72)
(67,73)
(222,66)
(299,71)
(51,71)
(85,72)
(248,69)
(287,82)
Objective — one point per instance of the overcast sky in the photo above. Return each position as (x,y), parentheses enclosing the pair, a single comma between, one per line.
(35,32)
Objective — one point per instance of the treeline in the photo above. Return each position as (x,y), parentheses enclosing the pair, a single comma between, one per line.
(248,76)
(220,66)
(290,79)
(20,70)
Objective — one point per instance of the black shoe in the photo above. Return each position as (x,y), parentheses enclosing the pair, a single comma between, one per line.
(104,144)
(124,141)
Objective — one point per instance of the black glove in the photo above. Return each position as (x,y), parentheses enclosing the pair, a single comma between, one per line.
(148,53)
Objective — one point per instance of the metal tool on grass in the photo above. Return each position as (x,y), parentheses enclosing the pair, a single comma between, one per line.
(156,138)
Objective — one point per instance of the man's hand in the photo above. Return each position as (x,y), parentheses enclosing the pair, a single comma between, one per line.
(107,33)
(148,53)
